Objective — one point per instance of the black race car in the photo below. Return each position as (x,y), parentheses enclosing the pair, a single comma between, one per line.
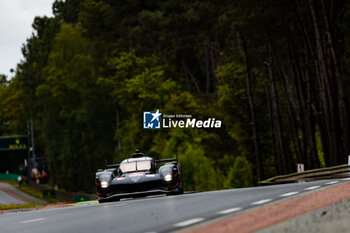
(139,176)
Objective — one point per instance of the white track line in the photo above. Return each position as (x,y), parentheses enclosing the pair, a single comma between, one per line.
(227,211)
(312,187)
(188,222)
(261,202)
(346,179)
(123,204)
(288,194)
(33,220)
(333,182)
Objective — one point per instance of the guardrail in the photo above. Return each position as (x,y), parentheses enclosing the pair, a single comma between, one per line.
(340,171)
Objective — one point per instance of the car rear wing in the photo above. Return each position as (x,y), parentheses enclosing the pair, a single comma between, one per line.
(166,160)
(113,165)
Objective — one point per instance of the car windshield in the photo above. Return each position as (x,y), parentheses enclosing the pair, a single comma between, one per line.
(128,167)
(135,166)
(143,165)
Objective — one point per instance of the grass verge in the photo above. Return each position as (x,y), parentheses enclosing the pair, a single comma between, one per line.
(20,206)
(35,193)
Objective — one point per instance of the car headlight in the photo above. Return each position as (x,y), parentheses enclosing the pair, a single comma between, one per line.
(104,184)
(168,177)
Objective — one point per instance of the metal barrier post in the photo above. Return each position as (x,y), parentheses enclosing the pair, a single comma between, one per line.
(349,165)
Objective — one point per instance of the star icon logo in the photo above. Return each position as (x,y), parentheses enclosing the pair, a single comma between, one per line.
(151,120)
(156,115)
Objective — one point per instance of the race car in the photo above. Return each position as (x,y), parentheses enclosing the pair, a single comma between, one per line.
(138,176)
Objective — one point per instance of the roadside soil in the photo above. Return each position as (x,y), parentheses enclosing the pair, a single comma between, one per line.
(333,198)
(333,218)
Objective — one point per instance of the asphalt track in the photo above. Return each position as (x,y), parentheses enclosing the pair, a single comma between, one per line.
(11,195)
(154,214)
(6,199)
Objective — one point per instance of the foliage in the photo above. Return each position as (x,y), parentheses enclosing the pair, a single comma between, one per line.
(240,174)
(36,193)
(11,112)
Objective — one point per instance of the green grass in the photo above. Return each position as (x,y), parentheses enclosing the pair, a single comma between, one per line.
(11,182)
(36,193)
(20,206)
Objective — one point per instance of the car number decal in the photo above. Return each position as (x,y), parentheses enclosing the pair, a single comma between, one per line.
(136,174)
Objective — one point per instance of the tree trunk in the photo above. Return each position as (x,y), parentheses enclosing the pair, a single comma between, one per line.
(276,115)
(188,72)
(328,93)
(343,119)
(207,70)
(243,47)
(310,125)
(117,119)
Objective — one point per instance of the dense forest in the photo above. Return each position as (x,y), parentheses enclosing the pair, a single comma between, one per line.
(277,73)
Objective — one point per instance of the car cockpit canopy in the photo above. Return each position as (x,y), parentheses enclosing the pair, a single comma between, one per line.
(137,164)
